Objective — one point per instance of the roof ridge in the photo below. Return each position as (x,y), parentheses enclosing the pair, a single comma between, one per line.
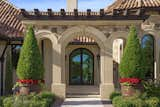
(132,4)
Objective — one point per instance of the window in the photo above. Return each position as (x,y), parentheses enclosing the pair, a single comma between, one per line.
(147,45)
(15,55)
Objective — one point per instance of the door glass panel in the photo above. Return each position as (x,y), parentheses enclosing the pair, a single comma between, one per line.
(75,68)
(87,67)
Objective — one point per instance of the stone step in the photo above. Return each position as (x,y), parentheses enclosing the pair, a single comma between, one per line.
(83,90)
(82,96)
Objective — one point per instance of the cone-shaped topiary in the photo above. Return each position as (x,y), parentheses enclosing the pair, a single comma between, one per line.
(30,64)
(130,66)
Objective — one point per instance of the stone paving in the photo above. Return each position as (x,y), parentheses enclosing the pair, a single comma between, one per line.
(85,102)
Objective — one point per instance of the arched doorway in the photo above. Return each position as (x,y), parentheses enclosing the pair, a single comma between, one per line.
(118,48)
(81,67)
(147,45)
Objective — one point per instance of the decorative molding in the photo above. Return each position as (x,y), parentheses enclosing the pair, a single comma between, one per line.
(147,25)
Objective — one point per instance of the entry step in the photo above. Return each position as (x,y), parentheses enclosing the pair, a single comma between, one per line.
(82,96)
(83,90)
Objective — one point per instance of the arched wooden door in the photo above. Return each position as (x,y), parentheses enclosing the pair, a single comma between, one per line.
(81,67)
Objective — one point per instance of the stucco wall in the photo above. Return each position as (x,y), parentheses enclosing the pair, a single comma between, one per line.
(60,33)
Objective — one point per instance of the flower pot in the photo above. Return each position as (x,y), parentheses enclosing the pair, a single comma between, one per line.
(127,90)
(31,85)
(24,90)
(35,88)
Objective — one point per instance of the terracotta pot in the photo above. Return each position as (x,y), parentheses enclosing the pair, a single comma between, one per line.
(127,90)
(24,90)
(35,88)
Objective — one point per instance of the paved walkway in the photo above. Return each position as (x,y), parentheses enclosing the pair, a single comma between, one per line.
(85,102)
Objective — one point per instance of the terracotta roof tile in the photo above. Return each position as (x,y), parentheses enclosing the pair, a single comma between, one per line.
(10,25)
(132,4)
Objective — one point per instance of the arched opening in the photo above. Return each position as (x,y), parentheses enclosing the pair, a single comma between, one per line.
(103,71)
(81,67)
(147,45)
(118,48)
(46,51)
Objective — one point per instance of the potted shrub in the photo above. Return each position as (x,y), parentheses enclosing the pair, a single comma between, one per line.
(30,68)
(130,68)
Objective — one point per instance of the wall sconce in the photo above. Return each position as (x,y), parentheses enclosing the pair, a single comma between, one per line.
(98,57)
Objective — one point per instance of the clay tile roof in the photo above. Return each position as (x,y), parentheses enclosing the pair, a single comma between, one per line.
(10,25)
(132,4)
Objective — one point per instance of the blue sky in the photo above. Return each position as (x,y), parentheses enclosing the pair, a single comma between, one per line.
(58,4)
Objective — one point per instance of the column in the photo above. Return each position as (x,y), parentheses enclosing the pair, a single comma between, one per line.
(57,86)
(106,86)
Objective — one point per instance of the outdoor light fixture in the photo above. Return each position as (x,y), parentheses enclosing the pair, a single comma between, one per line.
(98,57)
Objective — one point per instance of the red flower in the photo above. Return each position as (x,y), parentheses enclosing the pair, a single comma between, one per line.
(130,80)
(30,81)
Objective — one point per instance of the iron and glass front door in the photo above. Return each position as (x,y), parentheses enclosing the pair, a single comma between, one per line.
(81,67)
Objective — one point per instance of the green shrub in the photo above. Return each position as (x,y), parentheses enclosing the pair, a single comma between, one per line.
(114,94)
(152,88)
(44,99)
(8,102)
(127,102)
(152,102)
(30,64)
(47,95)
(131,64)
(1,101)
(121,102)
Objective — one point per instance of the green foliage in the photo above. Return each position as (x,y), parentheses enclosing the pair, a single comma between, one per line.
(8,102)
(152,88)
(130,65)
(1,101)
(30,64)
(152,102)
(121,102)
(8,74)
(45,99)
(114,94)
(50,97)
(128,102)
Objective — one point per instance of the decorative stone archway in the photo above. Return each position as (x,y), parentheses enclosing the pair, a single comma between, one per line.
(106,63)
(55,58)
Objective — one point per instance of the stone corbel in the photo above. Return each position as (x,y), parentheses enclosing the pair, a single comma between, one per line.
(147,25)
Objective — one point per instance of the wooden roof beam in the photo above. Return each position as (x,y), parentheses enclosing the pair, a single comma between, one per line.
(140,12)
(24,12)
(126,12)
(88,12)
(36,12)
(50,13)
(102,13)
(63,13)
(75,12)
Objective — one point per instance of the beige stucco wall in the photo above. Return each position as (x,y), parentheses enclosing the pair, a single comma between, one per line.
(47,60)
(103,32)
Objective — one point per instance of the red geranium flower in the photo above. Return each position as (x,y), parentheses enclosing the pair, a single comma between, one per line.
(130,80)
(30,81)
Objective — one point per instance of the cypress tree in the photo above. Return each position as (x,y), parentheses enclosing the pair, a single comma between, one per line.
(131,64)
(30,64)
